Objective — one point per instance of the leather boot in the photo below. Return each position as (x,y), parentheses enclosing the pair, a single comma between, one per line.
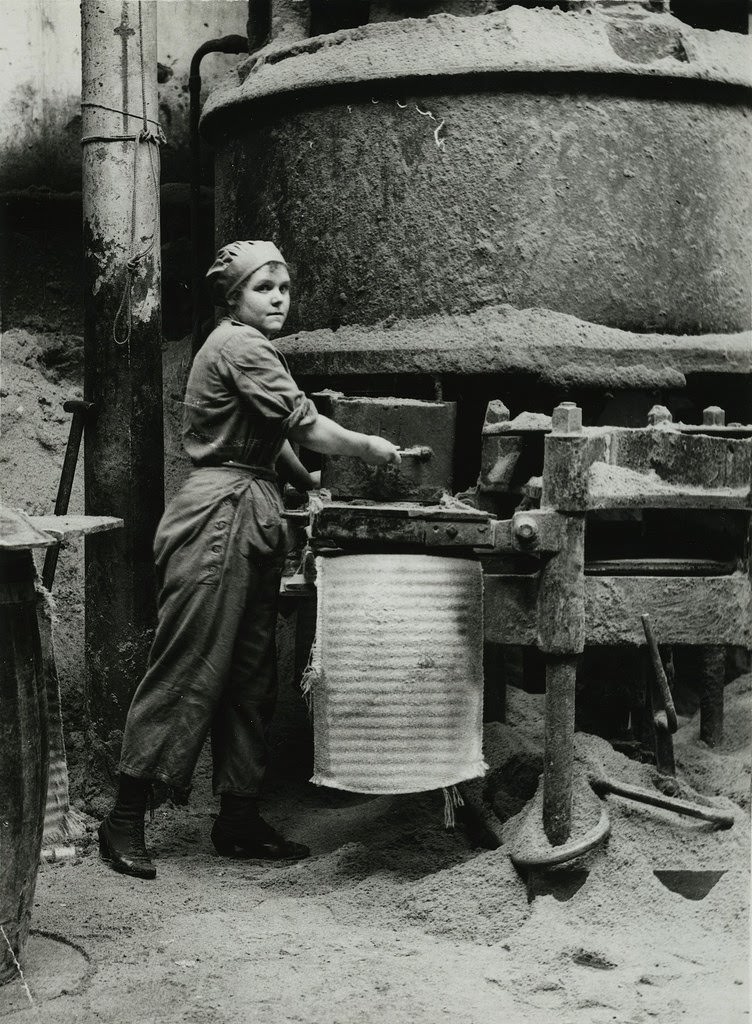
(121,834)
(240,831)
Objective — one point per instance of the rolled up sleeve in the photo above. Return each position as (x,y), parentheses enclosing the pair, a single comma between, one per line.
(265,384)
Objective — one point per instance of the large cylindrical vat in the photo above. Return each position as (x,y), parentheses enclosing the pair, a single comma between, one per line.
(583,163)
(23,755)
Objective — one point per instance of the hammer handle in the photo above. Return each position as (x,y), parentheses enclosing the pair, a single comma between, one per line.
(672,723)
(65,487)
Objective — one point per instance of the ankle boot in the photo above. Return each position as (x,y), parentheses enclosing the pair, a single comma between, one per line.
(121,834)
(240,831)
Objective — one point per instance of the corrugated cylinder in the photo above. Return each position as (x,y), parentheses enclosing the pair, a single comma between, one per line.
(397,673)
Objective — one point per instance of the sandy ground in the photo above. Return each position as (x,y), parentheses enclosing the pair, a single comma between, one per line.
(393,919)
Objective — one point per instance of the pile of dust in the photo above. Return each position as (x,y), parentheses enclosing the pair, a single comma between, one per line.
(620,924)
(726,770)
(391,862)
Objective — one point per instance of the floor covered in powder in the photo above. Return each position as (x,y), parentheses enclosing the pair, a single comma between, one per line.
(394,919)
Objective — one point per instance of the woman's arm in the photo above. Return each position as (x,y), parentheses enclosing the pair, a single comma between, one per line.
(292,471)
(325,436)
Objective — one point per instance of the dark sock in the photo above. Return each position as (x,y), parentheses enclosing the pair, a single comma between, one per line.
(131,799)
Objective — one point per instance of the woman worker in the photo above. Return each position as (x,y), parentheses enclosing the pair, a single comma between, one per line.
(219,551)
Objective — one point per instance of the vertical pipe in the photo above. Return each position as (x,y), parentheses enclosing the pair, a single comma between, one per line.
(713,681)
(124,456)
(558,763)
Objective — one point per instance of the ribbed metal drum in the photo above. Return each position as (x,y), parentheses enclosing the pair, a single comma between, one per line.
(397,673)
(589,163)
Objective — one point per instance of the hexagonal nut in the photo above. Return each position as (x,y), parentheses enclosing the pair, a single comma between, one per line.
(566,418)
(713,416)
(659,414)
(525,529)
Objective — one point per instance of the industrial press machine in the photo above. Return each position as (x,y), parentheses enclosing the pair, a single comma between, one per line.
(546,586)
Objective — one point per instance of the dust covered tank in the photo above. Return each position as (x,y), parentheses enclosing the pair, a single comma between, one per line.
(593,162)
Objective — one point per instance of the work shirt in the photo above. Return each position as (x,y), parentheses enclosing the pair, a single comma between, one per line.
(219,551)
(240,401)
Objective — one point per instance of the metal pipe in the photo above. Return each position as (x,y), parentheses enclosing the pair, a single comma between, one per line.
(123,457)
(225,44)
(561,674)
(713,675)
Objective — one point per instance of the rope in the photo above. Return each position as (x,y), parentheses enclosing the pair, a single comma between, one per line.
(150,138)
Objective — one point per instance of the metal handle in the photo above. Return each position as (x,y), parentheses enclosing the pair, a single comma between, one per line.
(418,451)
(660,674)
(603,786)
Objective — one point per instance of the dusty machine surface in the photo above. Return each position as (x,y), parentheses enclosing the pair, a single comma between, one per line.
(554,583)
(424,431)
(593,162)
(482,201)
(519,209)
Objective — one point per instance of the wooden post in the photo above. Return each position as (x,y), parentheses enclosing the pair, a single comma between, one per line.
(124,457)
(561,613)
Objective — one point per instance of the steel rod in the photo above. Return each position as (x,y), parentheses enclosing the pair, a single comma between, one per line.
(602,786)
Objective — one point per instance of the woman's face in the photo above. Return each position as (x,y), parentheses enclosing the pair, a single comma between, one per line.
(263,301)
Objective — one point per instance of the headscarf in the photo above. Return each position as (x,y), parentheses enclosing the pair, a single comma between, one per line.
(236,262)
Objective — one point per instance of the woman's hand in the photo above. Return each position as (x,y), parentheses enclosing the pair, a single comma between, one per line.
(315,480)
(377,451)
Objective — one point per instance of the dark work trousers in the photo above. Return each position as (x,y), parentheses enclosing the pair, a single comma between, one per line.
(219,551)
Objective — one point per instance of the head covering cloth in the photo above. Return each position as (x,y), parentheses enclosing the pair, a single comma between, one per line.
(236,262)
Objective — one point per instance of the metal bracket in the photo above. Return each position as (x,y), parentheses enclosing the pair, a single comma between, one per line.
(533,532)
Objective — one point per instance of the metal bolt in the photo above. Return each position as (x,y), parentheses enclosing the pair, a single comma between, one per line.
(451,532)
(659,414)
(566,418)
(713,416)
(525,530)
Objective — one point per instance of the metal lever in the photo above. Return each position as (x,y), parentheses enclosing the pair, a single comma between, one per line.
(664,719)
(603,786)
(418,451)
